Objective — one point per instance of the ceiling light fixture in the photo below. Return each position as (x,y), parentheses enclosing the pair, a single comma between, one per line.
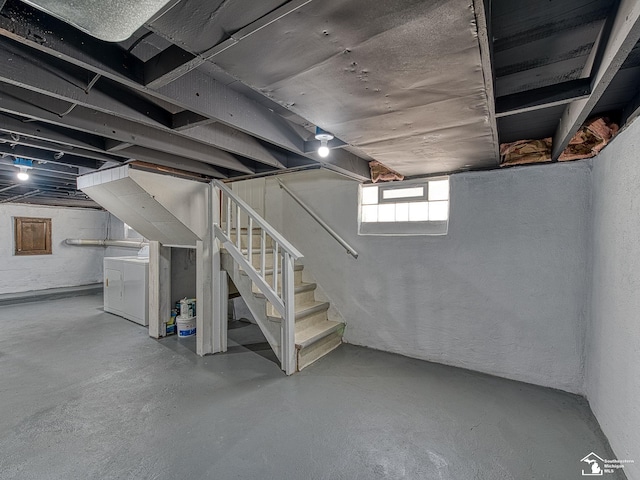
(324,138)
(24,165)
(22,174)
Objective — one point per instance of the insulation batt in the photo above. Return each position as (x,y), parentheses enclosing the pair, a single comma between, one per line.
(592,137)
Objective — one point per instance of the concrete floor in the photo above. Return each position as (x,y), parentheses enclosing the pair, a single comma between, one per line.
(88,395)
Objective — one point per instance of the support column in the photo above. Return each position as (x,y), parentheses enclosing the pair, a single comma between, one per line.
(159,288)
(209,286)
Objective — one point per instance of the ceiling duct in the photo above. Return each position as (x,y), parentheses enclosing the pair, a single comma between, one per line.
(108,20)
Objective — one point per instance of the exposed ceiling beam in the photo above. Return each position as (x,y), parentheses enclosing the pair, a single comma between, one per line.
(115,145)
(29,26)
(200,93)
(39,178)
(52,168)
(48,156)
(174,62)
(127,151)
(186,119)
(42,177)
(169,65)
(631,111)
(10,187)
(483,19)
(235,141)
(543,97)
(51,134)
(548,29)
(181,163)
(196,91)
(31,73)
(52,147)
(313,145)
(17,197)
(22,102)
(625,33)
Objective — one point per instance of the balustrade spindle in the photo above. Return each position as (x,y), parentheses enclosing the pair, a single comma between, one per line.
(250,241)
(275,266)
(238,227)
(263,253)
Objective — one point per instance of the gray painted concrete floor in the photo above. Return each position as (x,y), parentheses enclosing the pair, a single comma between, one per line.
(88,395)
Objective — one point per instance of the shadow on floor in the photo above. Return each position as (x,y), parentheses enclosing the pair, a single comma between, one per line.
(244,336)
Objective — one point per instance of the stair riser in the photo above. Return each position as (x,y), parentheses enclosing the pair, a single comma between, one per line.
(319,349)
(268,260)
(255,236)
(256,242)
(306,322)
(301,298)
(297,279)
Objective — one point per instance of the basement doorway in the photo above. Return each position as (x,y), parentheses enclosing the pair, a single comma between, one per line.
(183,286)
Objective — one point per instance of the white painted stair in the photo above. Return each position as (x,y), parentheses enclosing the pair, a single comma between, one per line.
(315,334)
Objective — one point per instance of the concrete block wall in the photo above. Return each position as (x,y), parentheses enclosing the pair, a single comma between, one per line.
(613,336)
(67,265)
(505,292)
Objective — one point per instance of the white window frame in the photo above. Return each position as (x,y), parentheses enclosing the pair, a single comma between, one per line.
(400,228)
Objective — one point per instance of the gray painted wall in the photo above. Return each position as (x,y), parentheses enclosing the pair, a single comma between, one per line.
(183,273)
(505,292)
(68,265)
(613,340)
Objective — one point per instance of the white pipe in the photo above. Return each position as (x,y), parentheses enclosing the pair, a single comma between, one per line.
(107,243)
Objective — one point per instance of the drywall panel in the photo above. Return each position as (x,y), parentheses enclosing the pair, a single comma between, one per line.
(505,292)
(165,209)
(613,339)
(68,265)
(185,199)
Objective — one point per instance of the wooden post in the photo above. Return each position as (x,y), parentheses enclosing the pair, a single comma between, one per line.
(159,288)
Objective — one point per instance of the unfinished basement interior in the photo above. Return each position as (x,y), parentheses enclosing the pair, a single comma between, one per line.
(320,239)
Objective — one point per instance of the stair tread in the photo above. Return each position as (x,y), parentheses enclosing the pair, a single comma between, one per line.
(315,332)
(306,309)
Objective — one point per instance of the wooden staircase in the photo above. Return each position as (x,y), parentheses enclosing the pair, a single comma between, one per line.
(315,334)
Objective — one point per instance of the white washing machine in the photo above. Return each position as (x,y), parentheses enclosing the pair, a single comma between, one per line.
(126,288)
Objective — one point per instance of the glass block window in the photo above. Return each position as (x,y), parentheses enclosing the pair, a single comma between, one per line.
(405,208)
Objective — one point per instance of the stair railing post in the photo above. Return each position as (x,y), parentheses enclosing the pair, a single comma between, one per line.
(288,347)
(263,253)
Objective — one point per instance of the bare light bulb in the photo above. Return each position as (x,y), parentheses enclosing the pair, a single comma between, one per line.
(23,175)
(323,151)
(324,138)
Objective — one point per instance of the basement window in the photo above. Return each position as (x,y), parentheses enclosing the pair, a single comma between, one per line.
(416,207)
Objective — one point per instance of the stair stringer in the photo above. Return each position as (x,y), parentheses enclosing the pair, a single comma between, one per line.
(257,306)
